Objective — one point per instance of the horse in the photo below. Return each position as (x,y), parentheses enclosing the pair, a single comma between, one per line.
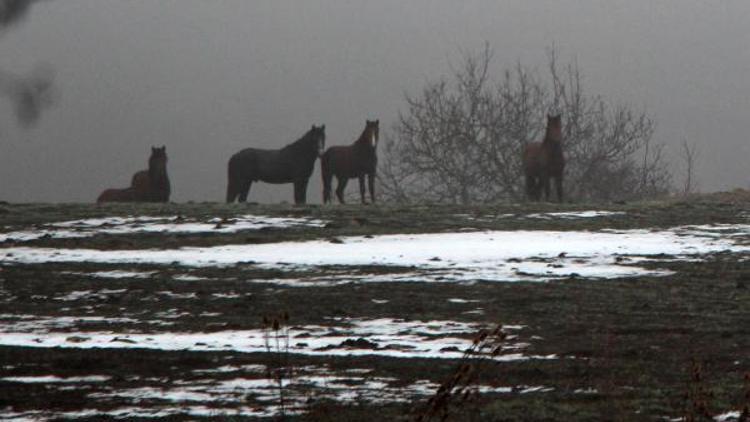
(150,185)
(544,160)
(293,163)
(356,160)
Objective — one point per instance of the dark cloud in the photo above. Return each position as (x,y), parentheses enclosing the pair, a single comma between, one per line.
(12,11)
(30,94)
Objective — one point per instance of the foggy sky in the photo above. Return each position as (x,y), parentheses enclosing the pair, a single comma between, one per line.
(207,78)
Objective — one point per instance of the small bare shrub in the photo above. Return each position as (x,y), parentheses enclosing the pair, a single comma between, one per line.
(276,337)
(460,388)
(697,397)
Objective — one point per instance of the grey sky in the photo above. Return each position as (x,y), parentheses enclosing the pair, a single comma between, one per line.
(207,78)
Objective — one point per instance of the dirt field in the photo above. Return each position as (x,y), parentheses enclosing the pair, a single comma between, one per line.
(183,311)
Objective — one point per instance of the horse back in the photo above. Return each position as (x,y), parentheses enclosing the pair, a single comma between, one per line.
(347,161)
(117,195)
(269,165)
(140,181)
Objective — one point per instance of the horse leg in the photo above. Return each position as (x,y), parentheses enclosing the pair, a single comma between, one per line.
(300,191)
(362,188)
(340,188)
(371,182)
(530,188)
(545,185)
(244,190)
(232,191)
(327,179)
(559,188)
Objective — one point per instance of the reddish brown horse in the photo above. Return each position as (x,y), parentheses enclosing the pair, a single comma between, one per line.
(150,185)
(543,161)
(356,160)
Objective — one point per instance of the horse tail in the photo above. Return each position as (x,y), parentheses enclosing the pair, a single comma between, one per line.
(327,175)
(233,187)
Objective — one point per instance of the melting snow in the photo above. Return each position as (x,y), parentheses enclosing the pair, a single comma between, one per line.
(488,255)
(48,379)
(145,224)
(305,384)
(574,214)
(382,337)
(18,323)
(459,300)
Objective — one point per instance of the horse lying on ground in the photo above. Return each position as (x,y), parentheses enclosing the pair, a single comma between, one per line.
(292,164)
(356,160)
(150,185)
(543,161)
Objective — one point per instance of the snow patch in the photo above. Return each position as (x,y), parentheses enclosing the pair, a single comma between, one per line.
(346,337)
(488,255)
(146,224)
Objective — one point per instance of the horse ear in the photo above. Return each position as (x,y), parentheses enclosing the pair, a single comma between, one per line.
(377,122)
(323,127)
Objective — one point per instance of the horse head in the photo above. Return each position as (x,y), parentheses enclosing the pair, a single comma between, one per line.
(554,129)
(318,136)
(371,133)
(158,159)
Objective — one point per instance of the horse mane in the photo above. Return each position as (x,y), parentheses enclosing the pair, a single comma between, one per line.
(300,143)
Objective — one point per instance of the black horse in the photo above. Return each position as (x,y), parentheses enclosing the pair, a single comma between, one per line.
(292,164)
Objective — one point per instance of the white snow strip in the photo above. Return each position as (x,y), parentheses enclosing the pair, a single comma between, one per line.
(459,300)
(545,216)
(188,277)
(19,323)
(348,337)
(146,224)
(122,274)
(89,294)
(728,416)
(261,394)
(49,379)
(142,412)
(253,368)
(230,295)
(574,214)
(489,255)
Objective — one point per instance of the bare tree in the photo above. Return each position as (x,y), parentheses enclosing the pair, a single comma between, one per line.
(460,139)
(689,154)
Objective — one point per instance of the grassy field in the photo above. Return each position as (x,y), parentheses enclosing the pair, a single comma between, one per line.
(371,341)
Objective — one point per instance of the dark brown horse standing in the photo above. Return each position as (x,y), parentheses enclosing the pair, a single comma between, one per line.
(356,160)
(292,164)
(543,161)
(150,185)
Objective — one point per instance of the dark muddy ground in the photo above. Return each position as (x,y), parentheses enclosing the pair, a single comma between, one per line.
(616,349)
